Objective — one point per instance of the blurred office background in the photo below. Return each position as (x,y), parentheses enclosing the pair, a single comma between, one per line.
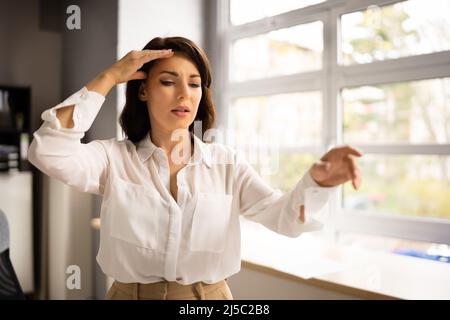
(300,75)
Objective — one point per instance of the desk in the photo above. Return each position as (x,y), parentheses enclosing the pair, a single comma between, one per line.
(352,270)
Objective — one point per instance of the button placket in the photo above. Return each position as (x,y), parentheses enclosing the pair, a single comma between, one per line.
(164,169)
(181,183)
(173,243)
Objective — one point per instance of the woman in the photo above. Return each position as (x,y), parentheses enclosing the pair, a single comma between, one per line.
(170,211)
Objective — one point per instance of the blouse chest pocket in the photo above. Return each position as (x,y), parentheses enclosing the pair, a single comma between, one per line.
(135,210)
(210,222)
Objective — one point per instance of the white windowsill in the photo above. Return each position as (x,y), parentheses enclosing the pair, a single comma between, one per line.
(316,260)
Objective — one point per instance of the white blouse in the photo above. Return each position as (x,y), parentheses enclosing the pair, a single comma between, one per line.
(146,236)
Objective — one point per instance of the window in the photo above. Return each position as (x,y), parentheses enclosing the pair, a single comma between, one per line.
(286,122)
(293,119)
(276,53)
(250,10)
(373,74)
(402,29)
(412,113)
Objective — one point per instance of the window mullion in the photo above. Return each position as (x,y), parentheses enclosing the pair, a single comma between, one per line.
(284,84)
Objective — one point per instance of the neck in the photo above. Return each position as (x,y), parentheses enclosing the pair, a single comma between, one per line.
(178,142)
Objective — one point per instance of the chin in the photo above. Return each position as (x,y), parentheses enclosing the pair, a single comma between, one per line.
(180,127)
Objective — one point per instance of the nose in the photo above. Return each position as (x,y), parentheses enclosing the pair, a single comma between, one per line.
(184,91)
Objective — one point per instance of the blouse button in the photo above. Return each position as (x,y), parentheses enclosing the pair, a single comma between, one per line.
(83,96)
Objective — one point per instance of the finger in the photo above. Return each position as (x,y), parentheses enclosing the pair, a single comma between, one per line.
(351,150)
(138,75)
(352,162)
(149,55)
(353,168)
(148,52)
(356,180)
(342,178)
(338,152)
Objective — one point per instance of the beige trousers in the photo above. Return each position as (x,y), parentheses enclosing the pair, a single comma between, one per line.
(169,291)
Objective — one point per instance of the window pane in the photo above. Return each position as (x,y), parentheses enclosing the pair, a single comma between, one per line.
(409,185)
(403,29)
(408,112)
(289,120)
(291,167)
(251,10)
(281,52)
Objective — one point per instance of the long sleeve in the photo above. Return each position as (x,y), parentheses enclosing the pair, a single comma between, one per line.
(279,212)
(59,153)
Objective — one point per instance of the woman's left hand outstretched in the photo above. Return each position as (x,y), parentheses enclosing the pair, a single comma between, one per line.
(336,167)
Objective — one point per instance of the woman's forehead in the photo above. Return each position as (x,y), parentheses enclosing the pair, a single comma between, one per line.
(178,63)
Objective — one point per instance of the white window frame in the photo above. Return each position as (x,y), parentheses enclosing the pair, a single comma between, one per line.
(330,80)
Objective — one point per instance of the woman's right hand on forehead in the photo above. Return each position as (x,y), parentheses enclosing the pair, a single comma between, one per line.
(126,68)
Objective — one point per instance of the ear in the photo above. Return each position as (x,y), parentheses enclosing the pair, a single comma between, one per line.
(142,93)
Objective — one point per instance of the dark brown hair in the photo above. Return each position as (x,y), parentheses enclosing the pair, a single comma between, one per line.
(134,119)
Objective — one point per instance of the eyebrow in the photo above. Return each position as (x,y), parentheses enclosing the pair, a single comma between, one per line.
(174,73)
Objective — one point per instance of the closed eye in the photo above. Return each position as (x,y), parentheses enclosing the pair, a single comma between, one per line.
(169,83)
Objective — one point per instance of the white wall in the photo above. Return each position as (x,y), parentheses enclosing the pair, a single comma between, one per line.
(142,20)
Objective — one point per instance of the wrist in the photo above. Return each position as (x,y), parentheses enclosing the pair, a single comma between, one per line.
(107,78)
(315,180)
(102,84)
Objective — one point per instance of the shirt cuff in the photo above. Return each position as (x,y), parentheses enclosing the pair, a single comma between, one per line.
(87,105)
(314,197)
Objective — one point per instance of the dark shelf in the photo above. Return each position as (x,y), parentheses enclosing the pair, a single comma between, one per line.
(18,100)
(12,131)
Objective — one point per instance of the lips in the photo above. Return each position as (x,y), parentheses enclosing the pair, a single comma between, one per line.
(181,111)
(181,108)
